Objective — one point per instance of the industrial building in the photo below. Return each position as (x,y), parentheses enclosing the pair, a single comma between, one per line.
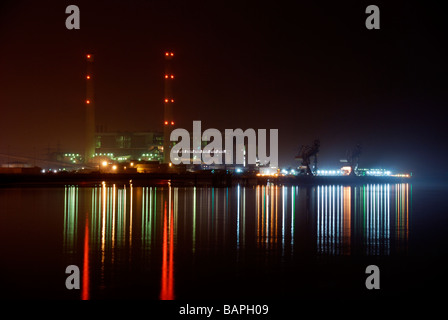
(123,146)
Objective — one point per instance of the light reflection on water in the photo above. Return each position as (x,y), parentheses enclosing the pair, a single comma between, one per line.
(110,226)
(367,215)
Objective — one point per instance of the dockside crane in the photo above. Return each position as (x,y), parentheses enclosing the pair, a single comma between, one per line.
(305,154)
(352,158)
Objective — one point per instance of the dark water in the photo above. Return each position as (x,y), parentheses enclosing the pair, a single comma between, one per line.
(264,242)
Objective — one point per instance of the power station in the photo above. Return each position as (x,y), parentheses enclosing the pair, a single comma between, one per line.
(101,145)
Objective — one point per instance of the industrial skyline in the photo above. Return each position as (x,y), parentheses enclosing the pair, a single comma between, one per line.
(310,71)
(196,151)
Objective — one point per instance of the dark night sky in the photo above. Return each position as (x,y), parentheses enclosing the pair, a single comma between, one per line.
(309,70)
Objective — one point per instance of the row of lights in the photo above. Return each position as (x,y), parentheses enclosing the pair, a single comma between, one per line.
(402,175)
(286,172)
(329,172)
(267,174)
(104,154)
(53,170)
(378,172)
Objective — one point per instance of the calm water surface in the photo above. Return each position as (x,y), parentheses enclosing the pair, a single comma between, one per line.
(269,241)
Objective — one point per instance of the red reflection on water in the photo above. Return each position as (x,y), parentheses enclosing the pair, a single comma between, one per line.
(167,289)
(85,294)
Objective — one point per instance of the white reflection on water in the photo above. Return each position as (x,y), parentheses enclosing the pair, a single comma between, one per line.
(364,215)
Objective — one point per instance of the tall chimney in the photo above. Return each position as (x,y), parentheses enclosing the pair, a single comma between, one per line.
(168,120)
(89,146)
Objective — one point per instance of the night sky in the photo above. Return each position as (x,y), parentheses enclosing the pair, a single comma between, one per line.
(310,70)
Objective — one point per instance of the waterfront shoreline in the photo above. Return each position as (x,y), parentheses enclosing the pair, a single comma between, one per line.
(184,179)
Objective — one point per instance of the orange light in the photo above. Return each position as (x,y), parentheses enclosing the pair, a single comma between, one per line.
(171,54)
(88,101)
(166,122)
(172,100)
(88,56)
(166,100)
(88,77)
(172,123)
(166,76)
(172,77)
(167,54)
(85,295)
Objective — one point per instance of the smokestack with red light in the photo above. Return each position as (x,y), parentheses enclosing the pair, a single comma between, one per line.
(89,103)
(168,120)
